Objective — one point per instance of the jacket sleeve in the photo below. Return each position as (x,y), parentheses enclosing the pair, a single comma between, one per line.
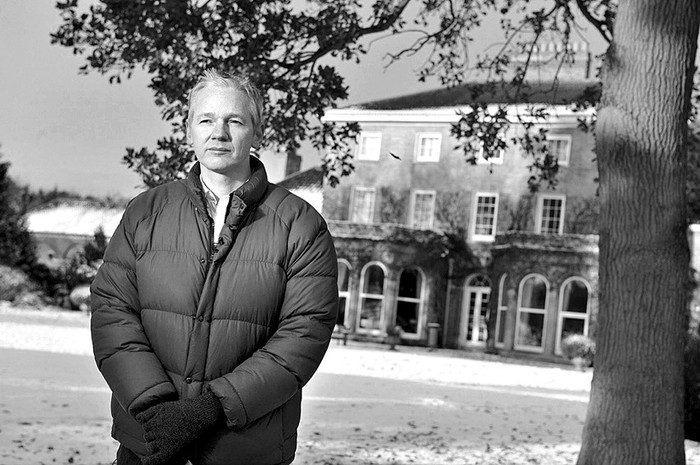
(277,371)
(122,350)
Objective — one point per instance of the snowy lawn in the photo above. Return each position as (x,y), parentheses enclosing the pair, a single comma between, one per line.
(367,405)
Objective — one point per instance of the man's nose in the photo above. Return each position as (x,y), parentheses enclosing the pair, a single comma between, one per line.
(220,130)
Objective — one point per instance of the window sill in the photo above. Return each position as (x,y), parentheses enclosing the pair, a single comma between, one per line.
(476,238)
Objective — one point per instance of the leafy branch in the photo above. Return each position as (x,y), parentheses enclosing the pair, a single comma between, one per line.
(288,50)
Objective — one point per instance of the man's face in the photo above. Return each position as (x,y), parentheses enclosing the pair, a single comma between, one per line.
(221,130)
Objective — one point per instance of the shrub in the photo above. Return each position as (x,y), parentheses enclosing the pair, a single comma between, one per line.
(13,283)
(58,282)
(94,250)
(80,297)
(16,244)
(578,346)
(30,299)
(70,275)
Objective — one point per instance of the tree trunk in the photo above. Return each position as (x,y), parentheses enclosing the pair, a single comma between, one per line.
(635,415)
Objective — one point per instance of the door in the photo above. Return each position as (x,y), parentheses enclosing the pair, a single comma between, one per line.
(475,311)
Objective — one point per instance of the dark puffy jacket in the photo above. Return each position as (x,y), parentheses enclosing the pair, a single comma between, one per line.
(250,319)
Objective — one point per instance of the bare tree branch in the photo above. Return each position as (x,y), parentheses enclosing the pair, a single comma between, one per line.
(384,23)
(602,26)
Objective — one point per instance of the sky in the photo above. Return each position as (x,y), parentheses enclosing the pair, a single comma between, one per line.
(65,130)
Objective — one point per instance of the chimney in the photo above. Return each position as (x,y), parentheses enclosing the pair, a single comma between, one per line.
(293,162)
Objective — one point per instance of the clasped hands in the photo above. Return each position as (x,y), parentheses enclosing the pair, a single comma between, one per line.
(173,425)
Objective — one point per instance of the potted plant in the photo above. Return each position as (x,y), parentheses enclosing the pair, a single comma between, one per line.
(393,336)
(579,349)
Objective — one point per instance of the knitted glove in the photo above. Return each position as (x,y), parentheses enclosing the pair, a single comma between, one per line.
(127,457)
(171,426)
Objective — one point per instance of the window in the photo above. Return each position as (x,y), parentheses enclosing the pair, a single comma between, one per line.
(428,147)
(484,217)
(560,147)
(502,312)
(343,291)
(550,214)
(531,314)
(362,205)
(422,209)
(573,309)
(370,146)
(371,298)
(408,302)
(494,159)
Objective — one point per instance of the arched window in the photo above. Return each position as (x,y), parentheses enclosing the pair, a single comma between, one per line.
(474,312)
(502,311)
(409,302)
(371,297)
(573,309)
(343,291)
(532,313)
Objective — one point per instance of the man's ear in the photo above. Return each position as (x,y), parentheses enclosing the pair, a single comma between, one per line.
(258,137)
(188,136)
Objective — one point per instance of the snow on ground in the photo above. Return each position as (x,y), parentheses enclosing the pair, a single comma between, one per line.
(36,330)
(458,417)
(45,336)
(413,364)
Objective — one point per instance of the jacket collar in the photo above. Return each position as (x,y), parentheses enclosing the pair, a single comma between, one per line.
(248,195)
(253,190)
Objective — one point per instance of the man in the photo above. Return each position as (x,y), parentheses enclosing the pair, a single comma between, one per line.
(216,300)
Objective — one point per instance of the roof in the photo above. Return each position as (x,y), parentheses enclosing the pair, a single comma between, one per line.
(551,93)
(74,217)
(310,179)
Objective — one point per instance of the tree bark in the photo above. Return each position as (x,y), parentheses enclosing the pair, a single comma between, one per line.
(635,414)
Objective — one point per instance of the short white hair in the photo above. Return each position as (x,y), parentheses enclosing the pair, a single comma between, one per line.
(213,78)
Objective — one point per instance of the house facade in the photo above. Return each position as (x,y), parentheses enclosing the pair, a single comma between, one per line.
(430,243)
(62,227)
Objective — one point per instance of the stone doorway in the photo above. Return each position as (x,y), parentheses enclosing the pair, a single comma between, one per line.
(475,311)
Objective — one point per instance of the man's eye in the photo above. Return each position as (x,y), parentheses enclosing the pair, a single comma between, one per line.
(204,120)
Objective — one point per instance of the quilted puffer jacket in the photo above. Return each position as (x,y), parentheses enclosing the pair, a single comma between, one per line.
(249,319)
